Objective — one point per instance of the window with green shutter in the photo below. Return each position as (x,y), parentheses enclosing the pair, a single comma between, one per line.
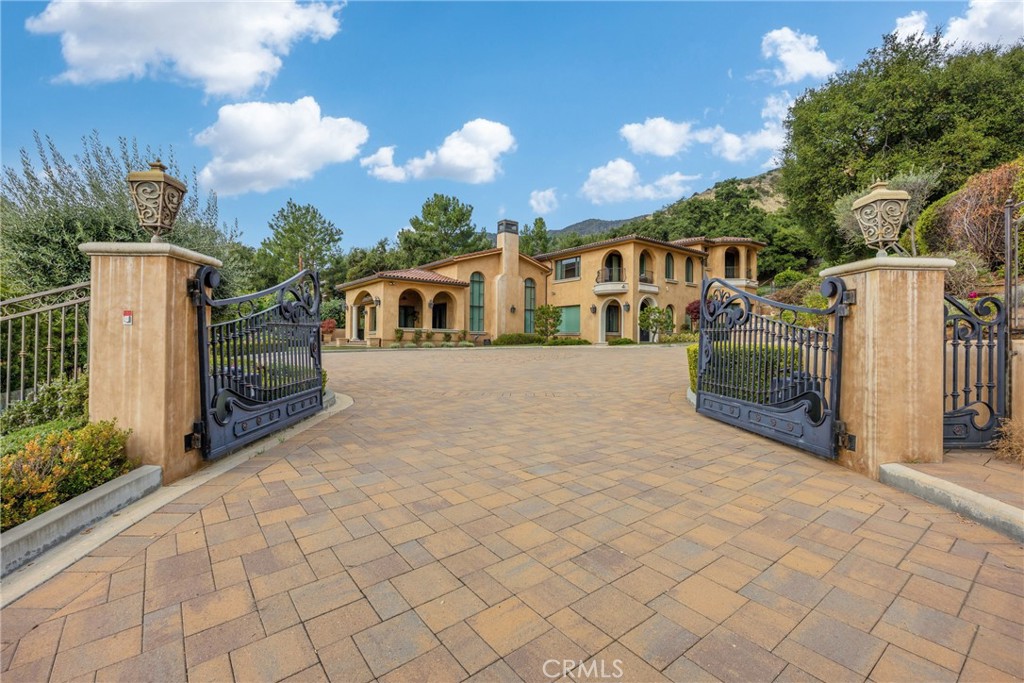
(670,267)
(567,268)
(529,304)
(476,302)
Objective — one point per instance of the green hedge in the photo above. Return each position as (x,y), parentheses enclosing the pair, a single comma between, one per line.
(567,341)
(516,339)
(61,399)
(16,440)
(55,468)
(692,354)
(621,341)
(751,368)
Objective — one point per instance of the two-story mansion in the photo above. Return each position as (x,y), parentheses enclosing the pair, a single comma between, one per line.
(601,287)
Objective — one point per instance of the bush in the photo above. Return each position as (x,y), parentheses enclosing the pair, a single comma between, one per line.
(409,345)
(693,312)
(621,341)
(462,335)
(399,333)
(446,337)
(795,294)
(448,344)
(567,341)
(692,354)
(52,469)
(428,335)
(427,345)
(467,344)
(546,320)
(328,326)
(1010,444)
(417,335)
(395,345)
(17,439)
(750,368)
(323,380)
(332,309)
(788,278)
(517,338)
(59,400)
(687,337)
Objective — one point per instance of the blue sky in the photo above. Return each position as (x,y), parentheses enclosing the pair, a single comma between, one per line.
(566,110)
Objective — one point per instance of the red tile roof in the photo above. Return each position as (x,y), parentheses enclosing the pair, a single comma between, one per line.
(718,240)
(618,240)
(409,275)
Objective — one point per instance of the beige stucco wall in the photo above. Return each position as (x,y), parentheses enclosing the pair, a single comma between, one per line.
(669,292)
(891,395)
(145,375)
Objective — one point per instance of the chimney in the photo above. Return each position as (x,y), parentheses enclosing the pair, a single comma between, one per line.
(508,283)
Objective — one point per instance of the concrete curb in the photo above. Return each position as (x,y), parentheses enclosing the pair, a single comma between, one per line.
(62,556)
(30,539)
(989,512)
(691,397)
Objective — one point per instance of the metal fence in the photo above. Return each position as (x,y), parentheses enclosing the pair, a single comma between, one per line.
(44,336)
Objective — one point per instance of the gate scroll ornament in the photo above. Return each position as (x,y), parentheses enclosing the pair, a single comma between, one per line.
(773,368)
(259,361)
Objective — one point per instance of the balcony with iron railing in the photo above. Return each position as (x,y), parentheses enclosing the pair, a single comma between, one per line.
(610,281)
(647,282)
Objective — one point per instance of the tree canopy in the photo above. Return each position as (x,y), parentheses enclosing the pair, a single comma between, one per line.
(913,103)
(444,228)
(300,237)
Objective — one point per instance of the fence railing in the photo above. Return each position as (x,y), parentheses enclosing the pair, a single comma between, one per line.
(611,275)
(43,337)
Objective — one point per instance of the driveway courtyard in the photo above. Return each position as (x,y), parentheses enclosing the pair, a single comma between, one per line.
(530,514)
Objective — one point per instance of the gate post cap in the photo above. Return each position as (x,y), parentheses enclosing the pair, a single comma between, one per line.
(148,249)
(889,263)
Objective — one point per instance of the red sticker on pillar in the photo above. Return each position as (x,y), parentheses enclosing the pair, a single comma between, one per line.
(126,317)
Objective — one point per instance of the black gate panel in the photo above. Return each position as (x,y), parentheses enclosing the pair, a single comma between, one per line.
(259,360)
(975,372)
(773,368)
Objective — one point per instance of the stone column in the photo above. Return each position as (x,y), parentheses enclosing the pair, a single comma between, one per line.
(145,371)
(892,356)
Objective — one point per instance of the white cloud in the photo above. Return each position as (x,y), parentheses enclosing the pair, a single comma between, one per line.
(799,54)
(471,154)
(229,48)
(992,22)
(259,146)
(911,25)
(543,201)
(619,181)
(661,137)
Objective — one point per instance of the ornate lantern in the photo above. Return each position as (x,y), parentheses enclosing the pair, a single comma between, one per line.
(157,198)
(880,215)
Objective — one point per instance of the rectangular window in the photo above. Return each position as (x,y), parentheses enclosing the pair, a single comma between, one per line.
(373,319)
(567,268)
(570,320)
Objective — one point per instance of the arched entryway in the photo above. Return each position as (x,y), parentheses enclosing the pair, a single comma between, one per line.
(612,271)
(410,309)
(442,311)
(643,335)
(358,314)
(611,321)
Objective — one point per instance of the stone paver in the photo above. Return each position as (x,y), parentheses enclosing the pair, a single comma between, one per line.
(531,515)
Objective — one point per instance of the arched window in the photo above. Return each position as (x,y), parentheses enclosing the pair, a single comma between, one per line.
(476,302)
(671,316)
(529,303)
(612,267)
(689,269)
(646,267)
(670,267)
(732,263)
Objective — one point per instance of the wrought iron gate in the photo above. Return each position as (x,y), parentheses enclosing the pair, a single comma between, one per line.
(259,361)
(974,372)
(773,368)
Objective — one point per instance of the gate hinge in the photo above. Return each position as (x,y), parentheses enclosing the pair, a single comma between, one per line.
(844,440)
(194,439)
(848,299)
(194,291)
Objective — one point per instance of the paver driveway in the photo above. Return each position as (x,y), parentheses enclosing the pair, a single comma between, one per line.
(479,513)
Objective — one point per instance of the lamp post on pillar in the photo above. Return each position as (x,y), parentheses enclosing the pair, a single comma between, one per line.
(880,215)
(157,197)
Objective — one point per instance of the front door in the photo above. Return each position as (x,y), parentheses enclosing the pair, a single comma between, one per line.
(645,336)
(360,323)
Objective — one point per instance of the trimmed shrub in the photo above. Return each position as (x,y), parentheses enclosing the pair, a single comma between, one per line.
(750,368)
(567,341)
(467,344)
(517,338)
(446,337)
(399,333)
(58,400)
(463,334)
(328,326)
(621,341)
(448,344)
(428,335)
(788,278)
(409,345)
(427,345)
(395,345)
(323,380)
(692,354)
(679,338)
(52,469)
(417,335)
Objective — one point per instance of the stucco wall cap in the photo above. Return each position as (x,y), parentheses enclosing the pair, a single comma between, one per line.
(148,249)
(889,263)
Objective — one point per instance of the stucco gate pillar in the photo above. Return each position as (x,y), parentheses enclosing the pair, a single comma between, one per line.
(891,397)
(143,348)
